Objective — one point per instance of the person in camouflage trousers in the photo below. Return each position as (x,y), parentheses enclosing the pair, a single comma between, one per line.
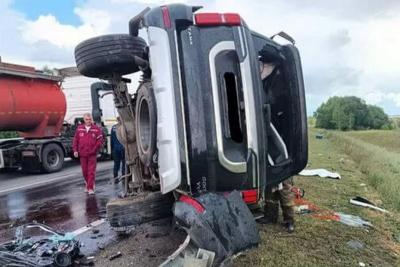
(283,196)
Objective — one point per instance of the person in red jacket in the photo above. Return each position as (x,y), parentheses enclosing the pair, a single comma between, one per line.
(88,140)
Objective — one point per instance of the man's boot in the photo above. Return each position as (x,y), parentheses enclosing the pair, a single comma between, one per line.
(271,213)
(289,226)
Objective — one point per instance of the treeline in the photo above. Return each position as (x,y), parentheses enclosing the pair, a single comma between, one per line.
(350,113)
(8,134)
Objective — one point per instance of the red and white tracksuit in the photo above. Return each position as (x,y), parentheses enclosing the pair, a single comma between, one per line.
(87,143)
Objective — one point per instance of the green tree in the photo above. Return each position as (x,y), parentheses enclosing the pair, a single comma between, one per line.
(350,113)
(377,118)
(47,70)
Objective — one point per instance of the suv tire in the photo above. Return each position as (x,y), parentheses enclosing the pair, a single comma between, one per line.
(133,211)
(108,55)
(146,124)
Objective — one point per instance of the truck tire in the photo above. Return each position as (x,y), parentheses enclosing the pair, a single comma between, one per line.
(133,211)
(52,158)
(146,124)
(108,55)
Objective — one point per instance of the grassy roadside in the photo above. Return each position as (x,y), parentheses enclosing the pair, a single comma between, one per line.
(323,243)
(387,139)
(377,154)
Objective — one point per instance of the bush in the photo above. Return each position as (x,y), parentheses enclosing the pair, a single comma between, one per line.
(350,113)
(4,135)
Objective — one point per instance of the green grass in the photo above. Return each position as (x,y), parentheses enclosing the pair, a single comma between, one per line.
(377,155)
(387,139)
(323,243)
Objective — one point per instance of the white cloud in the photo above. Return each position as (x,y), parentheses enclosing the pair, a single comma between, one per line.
(395,97)
(48,28)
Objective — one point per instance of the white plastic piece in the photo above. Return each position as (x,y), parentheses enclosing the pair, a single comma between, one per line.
(1,159)
(321,173)
(366,205)
(169,162)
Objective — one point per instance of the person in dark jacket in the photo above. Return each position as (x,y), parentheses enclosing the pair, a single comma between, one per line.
(88,141)
(118,151)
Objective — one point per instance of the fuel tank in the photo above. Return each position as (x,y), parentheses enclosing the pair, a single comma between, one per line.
(31,102)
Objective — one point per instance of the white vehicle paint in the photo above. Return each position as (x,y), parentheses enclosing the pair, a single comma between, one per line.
(167,132)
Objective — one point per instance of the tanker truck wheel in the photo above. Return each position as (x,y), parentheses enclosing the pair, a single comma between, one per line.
(146,124)
(108,55)
(52,158)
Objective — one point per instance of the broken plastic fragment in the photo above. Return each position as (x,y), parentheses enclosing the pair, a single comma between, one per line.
(360,201)
(352,220)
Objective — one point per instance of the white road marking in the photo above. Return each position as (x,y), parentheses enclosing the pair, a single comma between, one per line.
(36,184)
(88,227)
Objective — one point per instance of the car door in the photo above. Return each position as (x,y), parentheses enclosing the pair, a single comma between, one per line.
(285,110)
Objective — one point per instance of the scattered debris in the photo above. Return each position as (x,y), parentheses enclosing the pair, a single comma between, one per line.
(360,201)
(203,258)
(352,220)
(188,254)
(302,209)
(354,244)
(59,249)
(114,256)
(304,206)
(321,173)
(85,261)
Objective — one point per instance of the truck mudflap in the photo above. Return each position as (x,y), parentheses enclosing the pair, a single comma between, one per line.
(219,223)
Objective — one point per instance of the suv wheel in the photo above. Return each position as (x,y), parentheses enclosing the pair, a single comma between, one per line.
(108,55)
(146,124)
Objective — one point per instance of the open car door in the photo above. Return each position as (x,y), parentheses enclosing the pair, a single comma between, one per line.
(285,112)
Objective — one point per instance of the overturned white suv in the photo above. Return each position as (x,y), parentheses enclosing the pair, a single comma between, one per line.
(219,108)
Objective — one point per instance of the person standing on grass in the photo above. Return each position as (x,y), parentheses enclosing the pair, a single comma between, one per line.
(283,195)
(118,151)
(270,62)
(88,141)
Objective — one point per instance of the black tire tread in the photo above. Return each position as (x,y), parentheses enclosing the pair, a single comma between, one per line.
(146,91)
(108,55)
(134,211)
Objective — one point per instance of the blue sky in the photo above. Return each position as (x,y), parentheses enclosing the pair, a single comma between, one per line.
(62,9)
(347,47)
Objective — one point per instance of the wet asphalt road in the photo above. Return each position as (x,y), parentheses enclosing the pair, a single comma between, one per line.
(60,204)
(59,201)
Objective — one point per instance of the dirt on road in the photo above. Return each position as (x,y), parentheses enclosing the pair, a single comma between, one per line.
(148,245)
